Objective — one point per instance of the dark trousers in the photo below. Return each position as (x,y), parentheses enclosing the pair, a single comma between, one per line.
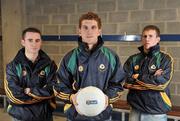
(110,119)
(14,119)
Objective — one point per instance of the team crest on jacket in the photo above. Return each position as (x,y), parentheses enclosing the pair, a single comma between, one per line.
(136,67)
(102,67)
(153,67)
(42,73)
(80,68)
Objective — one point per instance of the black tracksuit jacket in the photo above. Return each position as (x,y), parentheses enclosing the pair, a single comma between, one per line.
(149,93)
(80,68)
(39,77)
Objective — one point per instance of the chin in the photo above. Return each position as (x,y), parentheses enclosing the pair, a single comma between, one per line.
(147,47)
(35,51)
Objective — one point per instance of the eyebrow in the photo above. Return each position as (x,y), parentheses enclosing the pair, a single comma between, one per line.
(29,39)
(32,39)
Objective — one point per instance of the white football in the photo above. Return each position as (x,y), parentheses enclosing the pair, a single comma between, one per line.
(91,101)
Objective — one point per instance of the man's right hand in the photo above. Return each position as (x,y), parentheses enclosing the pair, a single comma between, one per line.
(73,99)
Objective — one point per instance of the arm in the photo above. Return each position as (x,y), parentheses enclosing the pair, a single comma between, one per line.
(115,89)
(13,89)
(131,76)
(45,92)
(63,88)
(161,78)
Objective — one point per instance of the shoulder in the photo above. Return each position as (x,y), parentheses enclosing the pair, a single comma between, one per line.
(166,56)
(9,65)
(72,53)
(13,67)
(69,56)
(134,57)
(44,55)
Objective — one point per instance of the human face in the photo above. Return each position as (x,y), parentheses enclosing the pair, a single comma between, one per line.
(89,32)
(32,43)
(149,39)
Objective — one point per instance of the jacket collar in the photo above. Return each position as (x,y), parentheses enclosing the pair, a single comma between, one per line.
(42,58)
(152,50)
(83,46)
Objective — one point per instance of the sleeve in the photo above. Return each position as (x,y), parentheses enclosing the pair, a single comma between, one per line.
(128,69)
(115,89)
(130,82)
(45,92)
(13,89)
(63,87)
(159,82)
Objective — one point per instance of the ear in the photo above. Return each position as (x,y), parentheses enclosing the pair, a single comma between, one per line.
(100,32)
(158,39)
(79,31)
(22,42)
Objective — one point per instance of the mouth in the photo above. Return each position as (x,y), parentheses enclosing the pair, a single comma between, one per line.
(147,43)
(89,36)
(34,48)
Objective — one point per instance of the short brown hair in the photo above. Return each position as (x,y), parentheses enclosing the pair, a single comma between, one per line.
(30,29)
(152,27)
(90,16)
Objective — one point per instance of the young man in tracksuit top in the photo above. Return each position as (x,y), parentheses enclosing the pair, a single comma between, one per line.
(148,77)
(90,64)
(30,80)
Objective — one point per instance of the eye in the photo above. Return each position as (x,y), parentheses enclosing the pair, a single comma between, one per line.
(30,40)
(94,27)
(85,27)
(37,40)
(144,36)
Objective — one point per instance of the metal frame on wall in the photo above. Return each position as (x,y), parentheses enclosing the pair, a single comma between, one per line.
(133,38)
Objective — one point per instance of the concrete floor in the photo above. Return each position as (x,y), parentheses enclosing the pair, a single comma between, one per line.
(5,117)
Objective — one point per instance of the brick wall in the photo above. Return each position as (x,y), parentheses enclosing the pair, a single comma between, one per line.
(60,17)
(118,16)
(1,56)
(1,67)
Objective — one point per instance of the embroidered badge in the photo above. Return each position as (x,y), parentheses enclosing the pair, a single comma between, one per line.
(153,67)
(102,67)
(42,73)
(136,67)
(80,68)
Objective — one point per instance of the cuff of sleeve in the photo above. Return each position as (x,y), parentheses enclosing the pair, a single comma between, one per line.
(135,76)
(70,98)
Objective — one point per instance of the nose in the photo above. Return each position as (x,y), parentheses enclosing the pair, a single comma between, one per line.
(147,38)
(89,31)
(34,43)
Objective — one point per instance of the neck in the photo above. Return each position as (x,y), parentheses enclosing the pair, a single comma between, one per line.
(146,51)
(90,47)
(31,56)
